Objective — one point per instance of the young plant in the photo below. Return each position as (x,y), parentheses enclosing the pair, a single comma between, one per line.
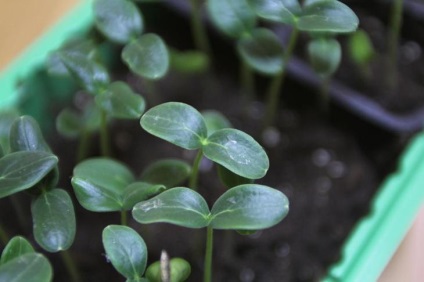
(106,185)
(246,207)
(127,252)
(184,126)
(361,51)
(20,263)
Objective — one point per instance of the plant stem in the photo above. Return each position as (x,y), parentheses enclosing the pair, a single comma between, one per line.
(273,97)
(247,79)
(4,238)
(198,29)
(124,220)
(195,171)
(83,145)
(393,41)
(207,275)
(104,135)
(70,266)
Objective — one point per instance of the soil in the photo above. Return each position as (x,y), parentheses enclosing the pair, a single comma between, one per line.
(328,164)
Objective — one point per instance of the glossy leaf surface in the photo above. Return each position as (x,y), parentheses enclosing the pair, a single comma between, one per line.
(328,16)
(126,250)
(249,207)
(54,221)
(233,17)
(147,56)
(179,206)
(325,56)
(16,247)
(89,74)
(99,184)
(238,152)
(25,135)
(215,121)
(180,270)
(177,123)
(262,51)
(283,11)
(118,20)
(30,267)
(22,170)
(168,172)
(120,101)
(139,191)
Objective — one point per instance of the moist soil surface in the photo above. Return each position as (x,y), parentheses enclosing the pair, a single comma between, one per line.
(329,165)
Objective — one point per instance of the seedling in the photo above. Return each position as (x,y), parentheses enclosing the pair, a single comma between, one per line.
(361,51)
(127,252)
(182,125)
(19,262)
(245,207)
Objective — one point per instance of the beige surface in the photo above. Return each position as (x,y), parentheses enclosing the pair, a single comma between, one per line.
(23,20)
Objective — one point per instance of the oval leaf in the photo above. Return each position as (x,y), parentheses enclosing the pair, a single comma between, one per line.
(262,51)
(192,61)
(126,250)
(179,206)
(180,270)
(119,101)
(23,170)
(16,247)
(25,135)
(30,267)
(118,20)
(238,152)
(283,11)
(328,16)
(177,123)
(169,172)
(139,191)
(361,49)
(215,121)
(54,220)
(99,184)
(233,17)
(89,74)
(325,56)
(249,207)
(69,123)
(147,56)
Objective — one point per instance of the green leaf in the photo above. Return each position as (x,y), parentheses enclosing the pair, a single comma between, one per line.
(325,56)
(233,17)
(126,250)
(328,16)
(238,152)
(90,75)
(179,206)
(25,135)
(249,207)
(119,101)
(30,267)
(215,121)
(139,191)
(361,49)
(283,11)
(119,20)
(7,117)
(54,222)
(168,172)
(192,61)
(69,123)
(23,170)
(180,270)
(147,56)
(230,179)
(99,184)
(262,51)
(16,247)
(177,123)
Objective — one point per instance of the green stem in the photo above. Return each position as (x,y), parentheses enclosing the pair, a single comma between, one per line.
(207,276)
(124,220)
(70,266)
(4,238)
(83,145)
(247,79)
(273,97)
(198,29)
(195,170)
(104,135)
(393,41)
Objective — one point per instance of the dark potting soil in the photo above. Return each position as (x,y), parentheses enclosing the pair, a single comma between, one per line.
(329,166)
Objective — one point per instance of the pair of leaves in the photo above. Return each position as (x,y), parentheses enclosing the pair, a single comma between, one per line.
(185,127)
(325,56)
(19,263)
(244,207)
(106,185)
(180,270)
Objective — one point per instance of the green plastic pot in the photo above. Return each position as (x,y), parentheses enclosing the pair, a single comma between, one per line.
(374,240)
